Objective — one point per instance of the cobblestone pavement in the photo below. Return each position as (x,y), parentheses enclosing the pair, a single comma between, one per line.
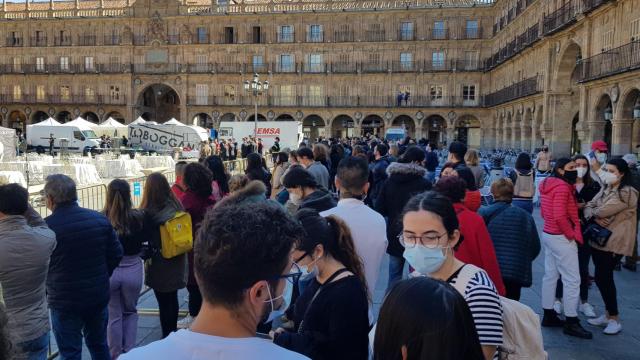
(625,345)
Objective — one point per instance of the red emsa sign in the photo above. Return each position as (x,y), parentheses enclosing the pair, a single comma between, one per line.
(268,131)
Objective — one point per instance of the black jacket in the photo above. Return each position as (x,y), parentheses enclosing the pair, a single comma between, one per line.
(261,175)
(431,161)
(587,193)
(405,181)
(377,176)
(336,324)
(319,200)
(87,252)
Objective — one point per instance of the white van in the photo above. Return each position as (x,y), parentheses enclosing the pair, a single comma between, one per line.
(163,138)
(79,138)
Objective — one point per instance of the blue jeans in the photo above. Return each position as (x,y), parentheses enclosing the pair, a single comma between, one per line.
(35,349)
(70,327)
(396,268)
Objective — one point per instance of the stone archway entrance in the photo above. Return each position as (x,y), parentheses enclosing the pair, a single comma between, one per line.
(434,129)
(373,125)
(203,120)
(313,127)
(342,127)
(159,102)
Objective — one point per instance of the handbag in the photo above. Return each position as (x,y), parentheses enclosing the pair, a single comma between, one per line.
(597,234)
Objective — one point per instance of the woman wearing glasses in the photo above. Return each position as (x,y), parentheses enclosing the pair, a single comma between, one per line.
(331,315)
(430,235)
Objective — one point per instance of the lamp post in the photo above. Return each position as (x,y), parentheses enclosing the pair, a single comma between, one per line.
(256,88)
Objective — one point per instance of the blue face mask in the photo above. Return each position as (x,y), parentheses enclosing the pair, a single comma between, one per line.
(426,261)
(286,301)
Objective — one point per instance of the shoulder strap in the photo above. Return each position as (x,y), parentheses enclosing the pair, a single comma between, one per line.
(467,272)
(329,280)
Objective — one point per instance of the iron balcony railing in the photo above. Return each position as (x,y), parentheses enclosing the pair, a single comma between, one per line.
(590,5)
(173,39)
(374,35)
(258,68)
(470,33)
(139,39)
(315,37)
(406,35)
(611,62)
(14,41)
(559,19)
(38,41)
(439,34)
(314,68)
(521,42)
(112,40)
(157,68)
(62,99)
(285,37)
(86,40)
(62,41)
(343,36)
(527,87)
(344,67)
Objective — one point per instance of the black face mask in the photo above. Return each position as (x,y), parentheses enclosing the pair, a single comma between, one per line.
(571,176)
(545,150)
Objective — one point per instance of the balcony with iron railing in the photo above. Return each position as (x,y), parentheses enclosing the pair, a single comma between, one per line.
(513,48)
(201,68)
(611,62)
(374,67)
(258,68)
(157,68)
(374,35)
(86,40)
(139,39)
(344,67)
(14,42)
(285,37)
(284,68)
(38,41)
(590,5)
(467,65)
(314,68)
(406,35)
(343,36)
(229,68)
(112,40)
(526,87)
(403,66)
(438,34)
(559,19)
(315,37)
(57,98)
(227,38)
(173,39)
(257,38)
(470,33)
(62,41)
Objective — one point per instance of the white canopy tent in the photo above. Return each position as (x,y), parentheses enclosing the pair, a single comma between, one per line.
(111,127)
(173,121)
(79,121)
(7,144)
(139,120)
(48,122)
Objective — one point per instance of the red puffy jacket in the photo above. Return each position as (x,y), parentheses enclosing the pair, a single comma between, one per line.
(559,209)
(476,247)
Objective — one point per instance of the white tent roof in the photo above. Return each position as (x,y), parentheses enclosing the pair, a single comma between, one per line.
(113,123)
(81,122)
(173,121)
(151,122)
(48,122)
(139,120)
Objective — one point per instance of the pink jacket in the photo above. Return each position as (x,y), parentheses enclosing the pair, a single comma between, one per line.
(559,209)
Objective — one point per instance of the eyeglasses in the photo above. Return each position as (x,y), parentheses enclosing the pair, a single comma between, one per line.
(429,240)
(293,276)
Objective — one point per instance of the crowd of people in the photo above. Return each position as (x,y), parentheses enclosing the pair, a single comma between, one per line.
(284,263)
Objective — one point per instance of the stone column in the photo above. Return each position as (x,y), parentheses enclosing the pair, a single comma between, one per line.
(450,135)
(621,136)
(525,136)
(488,137)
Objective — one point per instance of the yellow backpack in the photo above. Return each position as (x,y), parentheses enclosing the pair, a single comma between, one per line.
(176,236)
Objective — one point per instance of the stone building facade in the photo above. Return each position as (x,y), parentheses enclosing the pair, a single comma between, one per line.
(510,73)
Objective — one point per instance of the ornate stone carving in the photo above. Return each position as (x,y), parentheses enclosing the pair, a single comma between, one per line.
(156,28)
(185,35)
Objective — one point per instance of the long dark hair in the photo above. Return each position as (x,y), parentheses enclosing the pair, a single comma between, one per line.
(413,154)
(623,168)
(430,318)
(282,158)
(157,194)
(220,176)
(118,208)
(335,237)
(560,164)
(254,163)
(586,179)
(523,162)
(197,179)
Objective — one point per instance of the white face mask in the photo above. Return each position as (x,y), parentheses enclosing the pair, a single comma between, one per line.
(601,157)
(609,178)
(582,171)
(295,198)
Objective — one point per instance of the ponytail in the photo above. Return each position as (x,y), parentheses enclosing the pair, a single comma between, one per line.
(343,249)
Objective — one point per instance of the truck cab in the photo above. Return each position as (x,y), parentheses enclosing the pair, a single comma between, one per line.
(395,134)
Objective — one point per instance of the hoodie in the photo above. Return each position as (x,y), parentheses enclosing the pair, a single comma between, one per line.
(319,200)
(559,209)
(404,181)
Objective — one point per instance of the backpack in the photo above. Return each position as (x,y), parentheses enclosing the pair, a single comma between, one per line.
(521,332)
(524,186)
(176,235)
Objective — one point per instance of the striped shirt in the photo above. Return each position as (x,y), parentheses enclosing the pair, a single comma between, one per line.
(483,300)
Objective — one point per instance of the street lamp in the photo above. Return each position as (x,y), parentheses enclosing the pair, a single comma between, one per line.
(608,113)
(256,88)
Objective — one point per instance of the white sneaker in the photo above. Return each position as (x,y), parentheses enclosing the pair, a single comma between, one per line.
(613,327)
(587,310)
(185,322)
(557,307)
(599,321)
